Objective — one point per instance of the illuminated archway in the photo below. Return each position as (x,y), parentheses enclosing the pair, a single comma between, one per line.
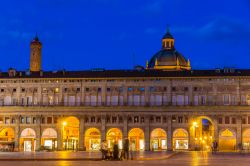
(27,140)
(180,139)
(92,139)
(7,136)
(158,139)
(246,139)
(70,127)
(136,139)
(202,132)
(227,140)
(49,139)
(114,135)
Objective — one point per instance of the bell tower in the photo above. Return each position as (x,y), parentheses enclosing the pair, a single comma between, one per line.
(35,55)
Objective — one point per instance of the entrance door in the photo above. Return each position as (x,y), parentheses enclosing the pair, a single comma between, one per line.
(27,146)
(181,144)
(48,144)
(155,144)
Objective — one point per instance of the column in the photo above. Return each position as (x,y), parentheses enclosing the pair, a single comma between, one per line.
(125,95)
(125,127)
(104,95)
(169,134)
(82,134)
(190,95)
(216,129)
(59,128)
(17,133)
(238,132)
(147,133)
(147,96)
(103,128)
(38,133)
(39,95)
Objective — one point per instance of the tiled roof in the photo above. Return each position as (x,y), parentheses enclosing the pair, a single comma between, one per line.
(128,73)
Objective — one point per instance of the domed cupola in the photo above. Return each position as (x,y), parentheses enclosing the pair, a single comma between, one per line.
(168,58)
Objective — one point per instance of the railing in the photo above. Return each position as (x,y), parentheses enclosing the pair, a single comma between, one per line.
(113,104)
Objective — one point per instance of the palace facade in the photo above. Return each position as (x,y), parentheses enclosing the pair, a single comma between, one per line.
(164,106)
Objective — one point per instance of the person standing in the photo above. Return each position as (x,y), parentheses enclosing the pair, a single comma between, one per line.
(115,151)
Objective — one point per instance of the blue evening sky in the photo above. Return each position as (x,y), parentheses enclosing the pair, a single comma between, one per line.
(116,34)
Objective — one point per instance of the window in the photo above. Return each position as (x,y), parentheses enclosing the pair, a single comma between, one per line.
(99,89)
(28,120)
(203,100)
(136,119)
(243,120)
(114,119)
(180,119)
(220,120)
(233,120)
(142,120)
(158,119)
(87,89)
(130,89)
(55,120)
(186,89)
(92,119)
(151,89)
(195,89)
(108,89)
(7,120)
(78,89)
(2,90)
(34,120)
(22,120)
(49,120)
(23,90)
(227,120)
(248,120)
(142,89)
(65,89)
(226,99)
(173,89)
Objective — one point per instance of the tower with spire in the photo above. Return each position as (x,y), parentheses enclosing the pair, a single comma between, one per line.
(35,55)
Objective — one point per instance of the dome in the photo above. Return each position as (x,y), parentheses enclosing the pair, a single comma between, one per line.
(168,58)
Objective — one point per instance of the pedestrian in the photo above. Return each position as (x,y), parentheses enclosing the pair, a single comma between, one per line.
(126,148)
(115,151)
(104,149)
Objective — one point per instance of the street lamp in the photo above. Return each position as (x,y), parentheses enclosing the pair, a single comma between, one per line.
(63,125)
(195,125)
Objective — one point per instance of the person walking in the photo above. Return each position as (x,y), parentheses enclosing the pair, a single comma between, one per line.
(126,148)
(104,149)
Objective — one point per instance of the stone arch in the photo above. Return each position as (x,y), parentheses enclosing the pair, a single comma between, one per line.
(7,134)
(114,135)
(92,139)
(158,139)
(28,140)
(246,139)
(136,139)
(202,132)
(227,140)
(180,139)
(70,127)
(49,139)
